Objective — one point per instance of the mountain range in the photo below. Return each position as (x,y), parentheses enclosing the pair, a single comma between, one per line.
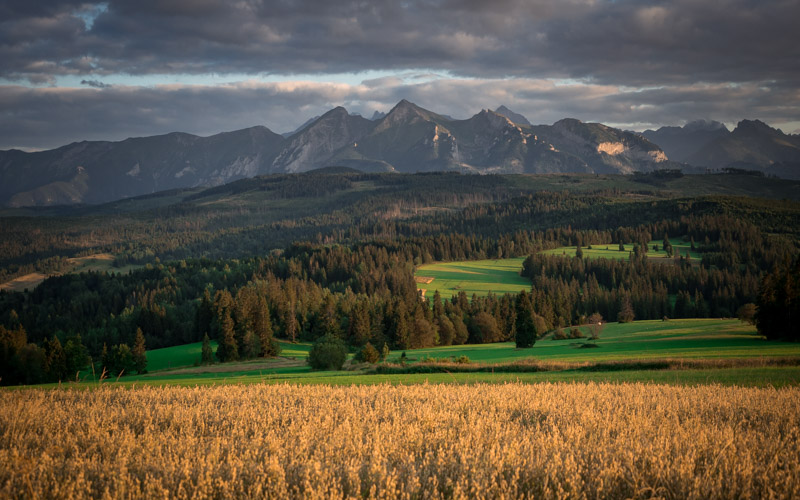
(752,145)
(406,139)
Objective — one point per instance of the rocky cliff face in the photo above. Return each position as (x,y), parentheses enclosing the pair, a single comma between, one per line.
(313,146)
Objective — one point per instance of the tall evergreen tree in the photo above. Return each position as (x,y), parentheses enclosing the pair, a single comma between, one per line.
(139,352)
(262,325)
(227,349)
(778,303)
(56,360)
(205,314)
(360,329)
(207,354)
(626,314)
(525,327)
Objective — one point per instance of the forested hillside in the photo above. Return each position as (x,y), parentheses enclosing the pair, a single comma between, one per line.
(334,252)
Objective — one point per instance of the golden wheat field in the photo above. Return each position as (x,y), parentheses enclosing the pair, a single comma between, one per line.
(424,441)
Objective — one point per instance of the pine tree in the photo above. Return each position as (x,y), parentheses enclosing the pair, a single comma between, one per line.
(626,313)
(384,351)
(139,352)
(438,309)
(360,329)
(207,355)
(251,346)
(228,349)
(263,328)
(56,360)
(77,355)
(525,328)
(290,324)
(205,314)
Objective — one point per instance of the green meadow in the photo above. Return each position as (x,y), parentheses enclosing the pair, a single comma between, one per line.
(478,277)
(499,276)
(612,251)
(640,340)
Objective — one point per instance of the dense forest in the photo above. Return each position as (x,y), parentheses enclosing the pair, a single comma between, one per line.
(343,266)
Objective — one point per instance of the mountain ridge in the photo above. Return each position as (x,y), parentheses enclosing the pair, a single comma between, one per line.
(408,138)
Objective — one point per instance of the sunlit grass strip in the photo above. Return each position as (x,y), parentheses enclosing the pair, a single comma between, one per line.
(426,441)
(444,365)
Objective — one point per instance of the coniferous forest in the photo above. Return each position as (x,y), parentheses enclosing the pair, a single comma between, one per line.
(333,253)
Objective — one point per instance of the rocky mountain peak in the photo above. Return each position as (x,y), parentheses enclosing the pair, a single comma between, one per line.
(754,127)
(704,125)
(514,117)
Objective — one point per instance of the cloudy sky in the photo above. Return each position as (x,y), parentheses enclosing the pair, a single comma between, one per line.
(71,70)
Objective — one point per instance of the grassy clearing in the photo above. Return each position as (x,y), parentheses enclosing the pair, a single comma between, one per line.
(100,262)
(641,341)
(679,338)
(612,251)
(425,441)
(472,277)
(501,276)
(188,355)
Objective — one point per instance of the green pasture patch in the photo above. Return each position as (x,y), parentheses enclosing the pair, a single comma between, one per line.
(190,354)
(639,340)
(612,251)
(680,338)
(479,277)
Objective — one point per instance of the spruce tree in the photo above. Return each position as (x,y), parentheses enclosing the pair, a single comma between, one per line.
(251,346)
(263,328)
(525,328)
(207,355)
(205,314)
(384,351)
(626,313)
(56,360)
(360,329)
(139,352)
(227,350)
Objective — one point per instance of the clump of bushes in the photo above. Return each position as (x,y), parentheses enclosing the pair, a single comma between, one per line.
(368,354)
(329,352)
(575,333)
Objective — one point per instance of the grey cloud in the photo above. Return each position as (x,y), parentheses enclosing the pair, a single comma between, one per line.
(624,42)
(96,84)
(37,118)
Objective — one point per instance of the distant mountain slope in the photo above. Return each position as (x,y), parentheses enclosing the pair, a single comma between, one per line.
(114,170)
(679,143)
(314,145)
(602,149)
(408,138)
(752,144)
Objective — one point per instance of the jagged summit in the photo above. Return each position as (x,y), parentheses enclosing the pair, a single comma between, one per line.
(709,125)
(514,117)
(755,127)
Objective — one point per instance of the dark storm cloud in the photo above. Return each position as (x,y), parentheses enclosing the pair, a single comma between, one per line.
(626,42)
(41,118)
